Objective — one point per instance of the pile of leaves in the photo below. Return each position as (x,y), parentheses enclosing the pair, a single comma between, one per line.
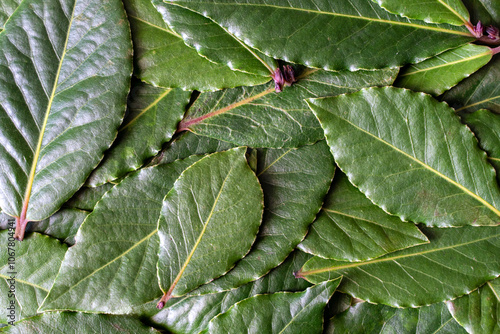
(256,166)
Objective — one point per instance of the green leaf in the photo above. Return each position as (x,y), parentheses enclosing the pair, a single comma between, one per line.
(192,314)
(480,91)
(6,9)
(61,83)
(259,117)
(112,266)
(351,228)
(433,11)
(33,264)
(437,75)
(213,41)
(153,114)
(87,197)
(208,221)
(455,262)
(294,182)
(479,311)
(339,35)
(75,322)
(411,155)
(162,58)
(370,319)
(281,312)
(486,126)
(486,11)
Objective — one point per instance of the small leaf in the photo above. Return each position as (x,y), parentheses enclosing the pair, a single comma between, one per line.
(162,58)
(438,74)
(208,221)
(433,11)
(411,155)
(368,318)
(116,247)
(455,262)
(8,7)
(34,265)
(479,311)
(351,228)
(281,312)
(153,114)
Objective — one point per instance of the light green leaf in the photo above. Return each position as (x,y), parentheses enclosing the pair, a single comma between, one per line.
(34,265)
(87,197)
(294,181)
(162,58)
(75,322)
(7,7)
(479,311)
(62,83)
(281,312)
(411,155)
(351,228)
(455,262)
(437,75)
(480,91)
(213,41)
(366,318)
(433,11)
(259,117)
(112,266)
(208,221)
(153,114)
(332,35)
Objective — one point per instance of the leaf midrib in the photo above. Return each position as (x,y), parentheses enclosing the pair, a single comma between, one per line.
(25,282)
(454,12)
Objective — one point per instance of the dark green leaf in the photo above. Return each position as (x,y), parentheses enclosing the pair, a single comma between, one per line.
(112,266)
(6,9)
(486,11)
(208,221)
(87,197)
(333,35)
(351,228)
(455,262)
(62,83)
(411,155)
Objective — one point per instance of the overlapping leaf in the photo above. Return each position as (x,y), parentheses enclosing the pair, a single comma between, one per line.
(438,74)
(87,197)
(338,35)
(486,11)
(7,7)
(411,155)
(65,71)
(208,221)
(259,117)
(162,58)
(112,267)
(33,264)
(351,228)
(455,262)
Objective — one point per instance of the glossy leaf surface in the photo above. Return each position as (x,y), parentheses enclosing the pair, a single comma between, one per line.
(351,228)
(486,11)
(208,221)
(455,262)
(61,83)
(112,267)
(411,155)
(347,33)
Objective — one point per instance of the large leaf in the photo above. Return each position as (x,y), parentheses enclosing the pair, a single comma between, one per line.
(294,181)
(208,221)
(112,266)
(438,74)
(351,228)
(75,322)
(162,58)
(366,318)
(65,71)
(480,91)
(411,155)
(87,197)
(281,312)
(455,262)
(33,265)
(259,117)
(6,9)
(479,311)
(434,11)
(333,35)
(153,114)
